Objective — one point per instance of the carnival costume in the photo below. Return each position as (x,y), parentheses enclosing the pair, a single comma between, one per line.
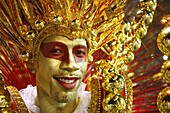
(112,41)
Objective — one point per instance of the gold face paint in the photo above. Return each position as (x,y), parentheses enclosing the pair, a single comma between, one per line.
(62,65)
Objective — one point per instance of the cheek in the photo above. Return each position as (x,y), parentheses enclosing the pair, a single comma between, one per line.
(77,59)
(83,66)
(47,66)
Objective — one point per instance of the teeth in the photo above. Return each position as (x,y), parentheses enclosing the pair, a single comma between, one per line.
(66,80)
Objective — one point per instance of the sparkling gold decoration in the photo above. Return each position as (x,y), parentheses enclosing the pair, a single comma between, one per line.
(27,23)
(100,23)
(120,49)
(163,42)
(5,100)
(166,20)
(114,103)
(166,71)
(95,91)
(113,83)
(21,107)
(32,21)
(164,100)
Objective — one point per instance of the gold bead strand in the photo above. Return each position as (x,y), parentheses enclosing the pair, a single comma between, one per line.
(94,87)
(128,94)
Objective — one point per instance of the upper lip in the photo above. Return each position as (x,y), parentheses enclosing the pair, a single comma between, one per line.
(66,77)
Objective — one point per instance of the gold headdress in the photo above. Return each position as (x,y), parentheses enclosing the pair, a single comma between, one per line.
(26,23)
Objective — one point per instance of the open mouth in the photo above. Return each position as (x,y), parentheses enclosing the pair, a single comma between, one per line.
(67,83)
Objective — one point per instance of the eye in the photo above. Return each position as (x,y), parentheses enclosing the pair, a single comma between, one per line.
(57,52)
(80,53)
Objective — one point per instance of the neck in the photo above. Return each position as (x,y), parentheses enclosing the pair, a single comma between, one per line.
(49,105)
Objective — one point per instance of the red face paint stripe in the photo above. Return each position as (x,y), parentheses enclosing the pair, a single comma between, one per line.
(80,53)
(59,51)
(55,50)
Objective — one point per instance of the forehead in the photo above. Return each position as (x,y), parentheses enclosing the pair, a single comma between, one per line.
(65,40)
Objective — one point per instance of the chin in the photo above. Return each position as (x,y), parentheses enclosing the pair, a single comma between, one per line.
(61,105)
(62,96)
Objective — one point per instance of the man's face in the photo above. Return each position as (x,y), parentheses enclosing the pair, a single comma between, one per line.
(62,65)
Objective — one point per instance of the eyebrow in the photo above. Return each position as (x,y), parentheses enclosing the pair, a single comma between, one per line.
(80,46)
(48,45)
(56,43)
(62,44)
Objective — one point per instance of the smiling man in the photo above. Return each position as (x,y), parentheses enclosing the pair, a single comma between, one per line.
(52,36)
(62,65)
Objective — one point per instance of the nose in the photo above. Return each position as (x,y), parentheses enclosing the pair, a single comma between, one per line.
(70,64)
(70,67)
